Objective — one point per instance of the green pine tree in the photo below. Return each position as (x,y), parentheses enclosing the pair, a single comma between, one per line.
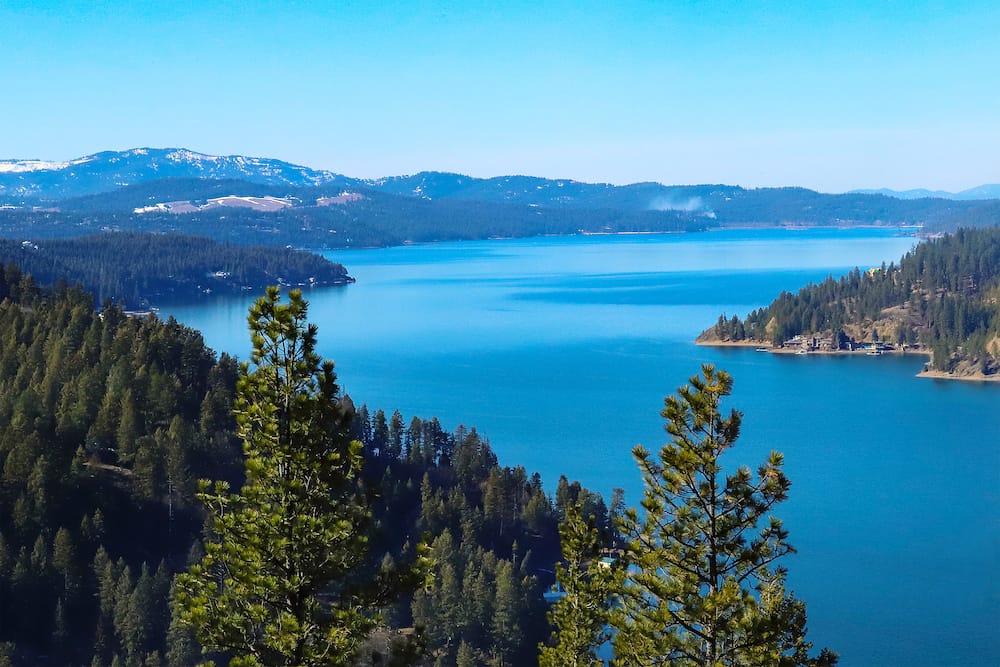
(182,647)
(466,656)
(703,587)
(580,618)
(280,582)
(506,626)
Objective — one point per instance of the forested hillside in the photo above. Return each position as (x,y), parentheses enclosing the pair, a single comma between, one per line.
(453,208)
(376,219)
(986,214)
(441,193)
(426,201)
(140,268)
(943,295)
(106,423)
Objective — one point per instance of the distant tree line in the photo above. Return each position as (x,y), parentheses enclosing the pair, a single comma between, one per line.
(790,205)
(377,220)
(985,214)
(141,268)
(391,212)
(727,203)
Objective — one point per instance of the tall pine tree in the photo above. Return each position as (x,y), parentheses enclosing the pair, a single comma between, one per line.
(703,585)
(281,582)
(580,617)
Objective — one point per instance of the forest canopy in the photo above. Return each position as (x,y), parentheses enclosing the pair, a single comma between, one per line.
(140,269)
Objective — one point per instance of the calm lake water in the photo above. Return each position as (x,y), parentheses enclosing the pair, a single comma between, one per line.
(560,350)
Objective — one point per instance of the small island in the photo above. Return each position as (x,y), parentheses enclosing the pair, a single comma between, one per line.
(940,301)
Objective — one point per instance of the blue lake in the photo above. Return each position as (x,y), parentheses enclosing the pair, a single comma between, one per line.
(560,350)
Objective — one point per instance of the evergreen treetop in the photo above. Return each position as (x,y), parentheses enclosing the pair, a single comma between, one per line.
(703,586)
(280,580)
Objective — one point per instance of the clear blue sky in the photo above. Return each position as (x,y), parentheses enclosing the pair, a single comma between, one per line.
(828,95)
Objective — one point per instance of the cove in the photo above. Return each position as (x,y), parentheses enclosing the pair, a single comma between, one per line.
(560,350)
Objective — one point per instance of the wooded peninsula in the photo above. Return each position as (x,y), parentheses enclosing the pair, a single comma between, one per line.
(941,299)
(140,269)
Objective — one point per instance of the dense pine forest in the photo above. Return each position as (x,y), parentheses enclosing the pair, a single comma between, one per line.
(141,268)
(108,421)
(373,221)
(943,296)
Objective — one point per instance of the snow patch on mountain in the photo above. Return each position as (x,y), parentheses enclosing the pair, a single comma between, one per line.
(109,170)
(260,204)
(27,166)
(23,166)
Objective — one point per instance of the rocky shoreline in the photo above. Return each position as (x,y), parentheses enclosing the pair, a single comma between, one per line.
(944,375)
(966,376)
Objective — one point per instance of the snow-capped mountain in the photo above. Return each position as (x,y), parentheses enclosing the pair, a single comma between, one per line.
(22,166)
(109,170)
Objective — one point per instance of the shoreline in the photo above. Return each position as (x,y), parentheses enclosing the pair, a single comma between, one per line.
(931,374)
(943,375)
(766,347)
(906,230)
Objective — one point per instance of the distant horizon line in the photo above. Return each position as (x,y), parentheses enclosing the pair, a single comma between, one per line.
(931,192)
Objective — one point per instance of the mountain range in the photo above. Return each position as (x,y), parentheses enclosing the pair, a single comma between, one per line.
(47,182)
(990,191)
(109,170)
(270,202)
